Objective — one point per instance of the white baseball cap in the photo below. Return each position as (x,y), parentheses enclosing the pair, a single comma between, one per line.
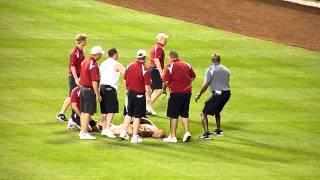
(141,53)
(162,35)
(97,50)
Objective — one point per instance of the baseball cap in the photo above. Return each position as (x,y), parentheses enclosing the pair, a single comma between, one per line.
(141,53)
(162,35)
(97,50)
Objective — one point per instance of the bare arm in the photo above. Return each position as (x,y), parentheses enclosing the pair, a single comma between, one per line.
(75,108)
(120,68)
(95,86)
(165,85)
(202,90)
(148,92)
(74,74)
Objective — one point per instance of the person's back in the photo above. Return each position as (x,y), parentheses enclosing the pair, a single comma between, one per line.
(108,74)
(135,73)
(181,76)
(219,78)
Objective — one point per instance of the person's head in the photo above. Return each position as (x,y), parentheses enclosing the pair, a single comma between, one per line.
(97,52)
(215,58)
(81,40)
(173,55)
(113,53)
(158,133)
(162,38)
(142,55)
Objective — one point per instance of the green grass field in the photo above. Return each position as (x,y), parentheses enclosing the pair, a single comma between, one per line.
(271,123)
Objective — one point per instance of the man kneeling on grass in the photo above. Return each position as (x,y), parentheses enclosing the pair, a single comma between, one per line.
(74,121)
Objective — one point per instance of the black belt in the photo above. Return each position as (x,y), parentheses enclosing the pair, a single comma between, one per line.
(135,93)
(107,87)
(220,92)
(86,87)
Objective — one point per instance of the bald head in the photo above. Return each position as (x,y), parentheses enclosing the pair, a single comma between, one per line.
(173,55)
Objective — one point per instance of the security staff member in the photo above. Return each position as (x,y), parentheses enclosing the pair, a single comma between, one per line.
(137,79)
(217,77)
(157,57)
(76,58)
(178,76)
(89,94)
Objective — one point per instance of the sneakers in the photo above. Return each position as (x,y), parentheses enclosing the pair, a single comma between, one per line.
(61,117)
(218,132)
(170,139)
(71,125)
(86,136)
(124,136)
(108,133)
(206,136)
(186,137)
(136,139)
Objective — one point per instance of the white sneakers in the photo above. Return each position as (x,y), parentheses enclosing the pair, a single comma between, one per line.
(108,133)
(136,139)
(170,139)
(186,138)
(86,136)
(123,135)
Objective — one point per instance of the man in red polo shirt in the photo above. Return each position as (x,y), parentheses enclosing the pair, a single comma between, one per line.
(178,75)
(89,94)
(157,56)
(137,79)
(76,57)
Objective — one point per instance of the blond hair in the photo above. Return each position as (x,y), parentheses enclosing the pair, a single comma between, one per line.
(81,37)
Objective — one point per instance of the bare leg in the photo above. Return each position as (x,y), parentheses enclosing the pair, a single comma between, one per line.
(136,124)
(185,123)
(85,122)
(126,123)
(103,121)
(173,127)
(204,120)
(155,95)
(65,105)
(109,118)
(218,118)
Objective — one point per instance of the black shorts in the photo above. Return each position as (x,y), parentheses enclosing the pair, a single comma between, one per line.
(215,103)
(109,102)
(72,83)
(75,118)
(155,78)
(88,102)
(178,105)
(136,104)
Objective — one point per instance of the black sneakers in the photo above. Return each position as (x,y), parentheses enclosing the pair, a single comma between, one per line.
(61,117)
(206,136)
(218,132)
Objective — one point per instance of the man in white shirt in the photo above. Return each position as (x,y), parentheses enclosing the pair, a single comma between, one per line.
(110,71)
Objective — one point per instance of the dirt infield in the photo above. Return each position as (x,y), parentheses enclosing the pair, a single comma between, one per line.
(272,20)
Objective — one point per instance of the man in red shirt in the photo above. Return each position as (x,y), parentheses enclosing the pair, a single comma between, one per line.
(89,94)
(157,57)
(137,80)
(76,57)
(75,115)
(178,75)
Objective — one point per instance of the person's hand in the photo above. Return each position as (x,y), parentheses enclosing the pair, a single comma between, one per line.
(77,82)
(197,97)
(161,73)
(98,98)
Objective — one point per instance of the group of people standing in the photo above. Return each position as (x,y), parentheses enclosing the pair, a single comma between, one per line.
(89,84)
